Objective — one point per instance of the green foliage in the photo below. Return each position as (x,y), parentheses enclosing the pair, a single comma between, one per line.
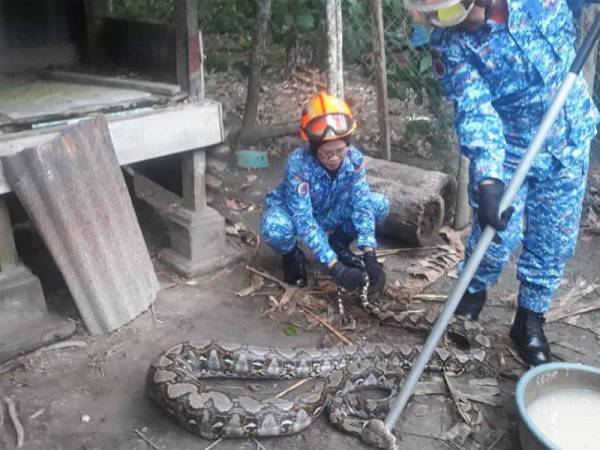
(290,330)
(300,25)
(154,11)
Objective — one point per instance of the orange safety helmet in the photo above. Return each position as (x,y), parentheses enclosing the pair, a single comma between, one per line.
(326,118)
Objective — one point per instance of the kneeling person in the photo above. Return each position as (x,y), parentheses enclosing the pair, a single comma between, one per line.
(325,200)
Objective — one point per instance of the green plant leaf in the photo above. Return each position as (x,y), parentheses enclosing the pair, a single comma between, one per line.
(305,21)
(425,64)
(290,330)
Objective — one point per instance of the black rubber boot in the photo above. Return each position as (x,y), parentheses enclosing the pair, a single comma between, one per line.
(294,268)
(471,304)
(340,243)
(527,333)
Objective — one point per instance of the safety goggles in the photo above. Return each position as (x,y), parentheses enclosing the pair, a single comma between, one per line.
(329,126)
(444,17)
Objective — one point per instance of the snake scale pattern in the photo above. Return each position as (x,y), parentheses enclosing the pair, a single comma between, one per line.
(176,381)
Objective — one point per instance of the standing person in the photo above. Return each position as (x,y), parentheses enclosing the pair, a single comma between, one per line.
(324,199)
(501,62)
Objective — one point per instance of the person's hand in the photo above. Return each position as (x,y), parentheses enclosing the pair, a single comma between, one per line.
(375,271)
(490,193)
(348,277)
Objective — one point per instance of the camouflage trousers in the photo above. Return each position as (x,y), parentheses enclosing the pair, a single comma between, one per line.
(278,230)
(546,223)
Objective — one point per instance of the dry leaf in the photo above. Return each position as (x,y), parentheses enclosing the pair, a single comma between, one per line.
(256,282)
(234,204)
(287,296)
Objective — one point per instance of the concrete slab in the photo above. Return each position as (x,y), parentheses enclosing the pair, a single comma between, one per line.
(139,134)
(28,335)
(21,297)
(25,324)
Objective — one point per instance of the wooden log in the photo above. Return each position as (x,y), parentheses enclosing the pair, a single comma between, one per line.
(415,215)
(422,184)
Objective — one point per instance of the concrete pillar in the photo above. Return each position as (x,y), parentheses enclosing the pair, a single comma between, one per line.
(24,320)
(197,231)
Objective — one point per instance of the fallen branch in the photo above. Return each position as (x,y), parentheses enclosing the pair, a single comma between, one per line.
(12,413)
(145,439)
(516,357)
(35,415)
(64,345)
(568,347)
(155,318)
(429,297)
(268,276)
(259,446)
(214,444)
(326,324)
(572,310)
(292,387)
(393,251)
(498,439)
(456,400)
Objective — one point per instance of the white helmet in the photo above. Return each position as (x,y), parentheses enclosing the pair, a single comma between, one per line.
(439,13)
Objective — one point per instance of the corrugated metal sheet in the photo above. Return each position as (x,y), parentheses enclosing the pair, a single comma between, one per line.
(74,192)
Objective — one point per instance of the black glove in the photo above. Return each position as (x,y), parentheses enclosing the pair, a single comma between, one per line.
(348,277)
(489,202)
(375,271)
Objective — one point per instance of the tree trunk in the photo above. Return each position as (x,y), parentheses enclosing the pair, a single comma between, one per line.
(381,77)
(257,61)
(421,201)
(415,216)
(335,75)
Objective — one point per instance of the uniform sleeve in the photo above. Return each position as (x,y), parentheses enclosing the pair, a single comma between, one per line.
(363,218)
(299,204)
(577,7)
(478,125)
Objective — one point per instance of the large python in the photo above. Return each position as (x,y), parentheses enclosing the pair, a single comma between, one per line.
(175,382)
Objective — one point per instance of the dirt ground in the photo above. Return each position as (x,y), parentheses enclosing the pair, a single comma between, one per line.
(93,396)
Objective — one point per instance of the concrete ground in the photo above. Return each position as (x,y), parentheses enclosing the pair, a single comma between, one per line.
(93,397)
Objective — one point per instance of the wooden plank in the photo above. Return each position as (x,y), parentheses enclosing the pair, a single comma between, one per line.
(142,135)
(8,249)
(194,180)
(188,47)
(125,83)
(383,109)
(95,10)
(79,112)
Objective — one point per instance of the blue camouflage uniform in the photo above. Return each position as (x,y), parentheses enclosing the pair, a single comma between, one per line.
(310,203)
(501,78)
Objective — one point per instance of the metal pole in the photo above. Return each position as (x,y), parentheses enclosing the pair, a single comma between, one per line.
(489,232)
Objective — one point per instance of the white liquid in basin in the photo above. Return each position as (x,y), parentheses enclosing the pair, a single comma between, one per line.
(570,418)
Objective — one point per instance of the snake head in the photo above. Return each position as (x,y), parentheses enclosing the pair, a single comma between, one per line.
(376,434)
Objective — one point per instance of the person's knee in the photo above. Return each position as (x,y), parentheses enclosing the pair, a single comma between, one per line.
(277,228)
(380,205)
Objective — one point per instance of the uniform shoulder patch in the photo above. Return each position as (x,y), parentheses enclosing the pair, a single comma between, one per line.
(303,188)
(439,68)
